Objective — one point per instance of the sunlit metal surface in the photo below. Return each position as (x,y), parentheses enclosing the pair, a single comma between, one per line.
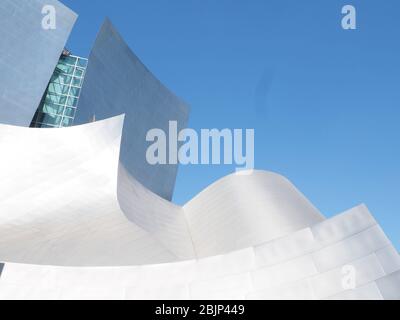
(117,82)
(75,224)
(28,55)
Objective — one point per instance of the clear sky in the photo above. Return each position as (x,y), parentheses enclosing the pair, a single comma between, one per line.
(324,102)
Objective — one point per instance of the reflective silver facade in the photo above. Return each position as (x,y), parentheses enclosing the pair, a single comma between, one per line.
(28,55)
(75,224)
(116,82)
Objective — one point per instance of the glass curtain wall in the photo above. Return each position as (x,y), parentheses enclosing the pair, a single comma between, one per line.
(58,106)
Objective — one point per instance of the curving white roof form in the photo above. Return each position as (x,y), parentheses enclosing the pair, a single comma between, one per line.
(58,200)
(75,225)
(72,204)
(245,209)
(307,264)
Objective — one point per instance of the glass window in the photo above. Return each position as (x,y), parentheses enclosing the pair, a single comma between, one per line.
(72,101)
(58,106)
(42,125)
(76,82)
(58,88)
(65,79)
(75,91)
(67,122)
(52,119)
(61,79)
(54,76)
(64,68)
(51,98)
(82,63)
(53,108)
(69,60)
(79,72)
(35,117)
(70,112)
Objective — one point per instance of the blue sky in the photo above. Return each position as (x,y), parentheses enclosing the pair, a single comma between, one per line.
(324,102)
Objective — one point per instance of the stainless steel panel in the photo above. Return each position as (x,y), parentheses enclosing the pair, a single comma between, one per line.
(116,82)
(28,55)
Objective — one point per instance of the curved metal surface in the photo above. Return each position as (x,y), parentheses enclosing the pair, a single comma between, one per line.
(242,210)
(28,55)
(307,264)
(117,82)
(61,206)
(73,204)
(74,224)
(79,220)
